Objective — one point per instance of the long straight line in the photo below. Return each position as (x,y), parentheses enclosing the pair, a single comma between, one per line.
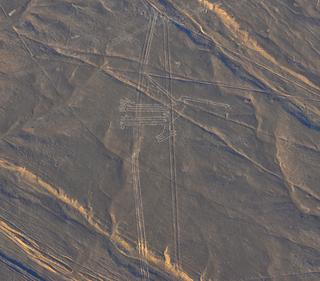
(142,245)
(172,153)
(136,173)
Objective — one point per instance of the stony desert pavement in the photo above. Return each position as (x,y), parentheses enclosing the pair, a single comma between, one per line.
(160,140)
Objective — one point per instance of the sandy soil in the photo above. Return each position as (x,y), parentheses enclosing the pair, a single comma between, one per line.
(160,140)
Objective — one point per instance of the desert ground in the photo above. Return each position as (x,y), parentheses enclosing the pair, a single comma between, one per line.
(170,140)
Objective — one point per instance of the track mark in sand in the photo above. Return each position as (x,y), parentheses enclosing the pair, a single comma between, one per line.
(137,139)
(172,152)
(247,40)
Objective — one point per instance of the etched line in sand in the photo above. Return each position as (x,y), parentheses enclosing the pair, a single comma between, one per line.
(149,115)
(172,149)
(137,139)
